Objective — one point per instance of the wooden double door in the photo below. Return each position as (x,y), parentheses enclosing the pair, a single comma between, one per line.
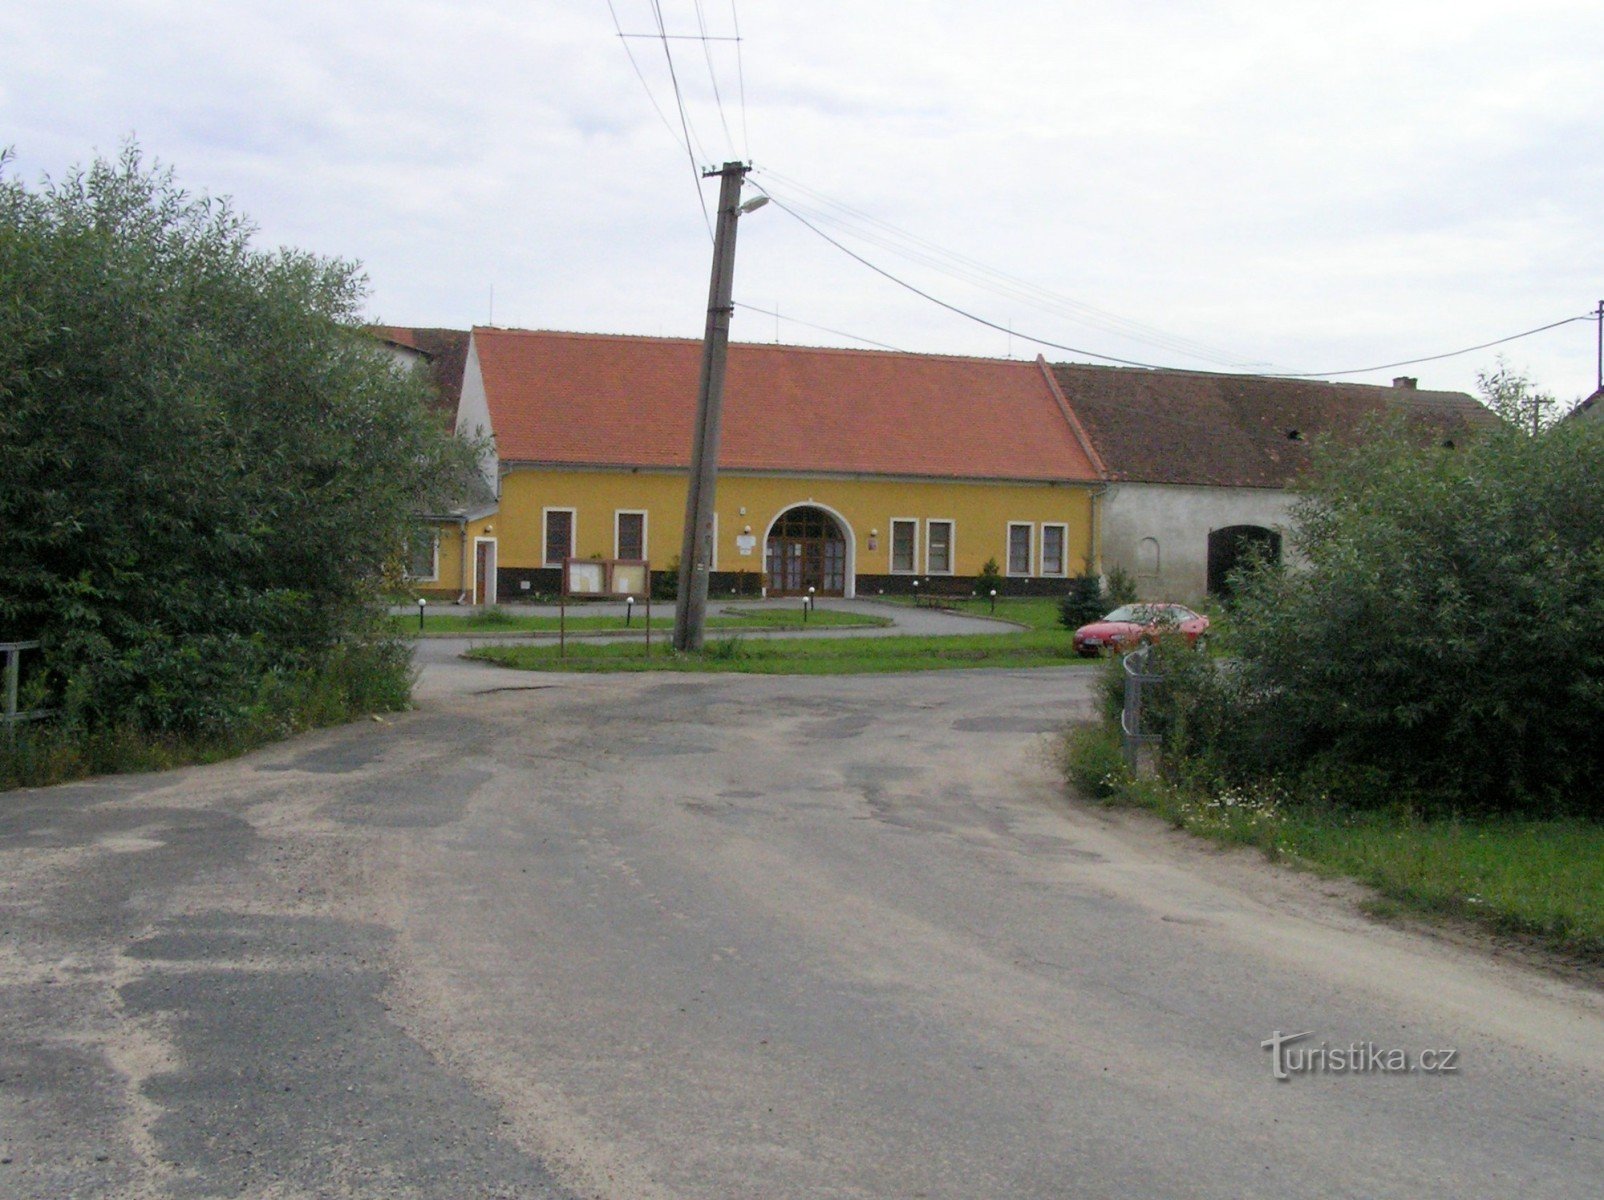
(806,549)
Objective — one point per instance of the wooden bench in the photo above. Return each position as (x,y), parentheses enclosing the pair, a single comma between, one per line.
(940,593)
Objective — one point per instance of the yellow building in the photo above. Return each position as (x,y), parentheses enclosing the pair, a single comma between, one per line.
(848,472)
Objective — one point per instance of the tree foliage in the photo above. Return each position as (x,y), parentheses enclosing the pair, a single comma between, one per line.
(1514,397)
(1443,642)
(206,466)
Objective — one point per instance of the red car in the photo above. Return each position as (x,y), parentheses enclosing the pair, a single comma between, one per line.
(1132,624)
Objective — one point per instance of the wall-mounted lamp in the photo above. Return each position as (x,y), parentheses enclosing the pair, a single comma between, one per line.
(874,539)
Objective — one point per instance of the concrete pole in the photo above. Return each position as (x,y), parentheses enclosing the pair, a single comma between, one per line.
(696,549)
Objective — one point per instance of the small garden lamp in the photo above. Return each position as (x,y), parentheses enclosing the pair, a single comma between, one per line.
(629,610)
(422,604)
(993,599)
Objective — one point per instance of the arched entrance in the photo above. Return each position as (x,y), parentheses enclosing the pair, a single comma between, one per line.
(1236,546)
(807,548)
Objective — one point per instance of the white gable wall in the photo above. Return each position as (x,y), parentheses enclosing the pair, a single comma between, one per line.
(1179,519)
(473,417)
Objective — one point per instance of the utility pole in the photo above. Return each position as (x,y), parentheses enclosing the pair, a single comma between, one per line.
(696,552)
(1599,313)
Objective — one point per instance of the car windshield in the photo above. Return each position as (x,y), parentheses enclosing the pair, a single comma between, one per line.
(1151,614)
(1136,614)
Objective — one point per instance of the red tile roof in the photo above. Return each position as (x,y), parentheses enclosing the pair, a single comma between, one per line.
(591,399)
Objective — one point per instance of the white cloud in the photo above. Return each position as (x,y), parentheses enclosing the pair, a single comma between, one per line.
(1314,185)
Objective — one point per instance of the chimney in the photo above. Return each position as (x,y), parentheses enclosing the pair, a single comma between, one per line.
(1405,381)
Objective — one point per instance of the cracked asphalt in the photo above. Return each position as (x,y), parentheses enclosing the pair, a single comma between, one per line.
(655,936)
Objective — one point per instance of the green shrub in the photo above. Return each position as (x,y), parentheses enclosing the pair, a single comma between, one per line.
(210,469)
(1121,588)
(990,578)
(1083,603)
(665,581)
(1442,646)
(1094,760)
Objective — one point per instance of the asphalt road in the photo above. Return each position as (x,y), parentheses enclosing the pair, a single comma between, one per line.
(658,936)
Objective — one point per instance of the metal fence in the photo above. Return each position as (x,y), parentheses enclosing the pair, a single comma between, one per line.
(1137,676)
(9,716)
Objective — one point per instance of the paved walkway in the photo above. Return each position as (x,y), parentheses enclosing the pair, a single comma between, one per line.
(906,619)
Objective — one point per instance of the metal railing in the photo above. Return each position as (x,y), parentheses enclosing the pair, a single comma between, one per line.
(1137,676)
(9,716)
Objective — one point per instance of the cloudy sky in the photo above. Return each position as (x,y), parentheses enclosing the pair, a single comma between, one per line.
(1290,187)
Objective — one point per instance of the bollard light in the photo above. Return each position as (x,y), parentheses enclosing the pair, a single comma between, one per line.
(629,610)
(422,604)
(994,600)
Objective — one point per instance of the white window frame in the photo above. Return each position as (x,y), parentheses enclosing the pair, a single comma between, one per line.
(952,544)
(645,532)
(573,533)
(434,570)
(1063,550)
(1030,550)
(891,547)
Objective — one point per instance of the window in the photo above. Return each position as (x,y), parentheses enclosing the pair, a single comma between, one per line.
(1019,537)
(423,555)
(630,535)
(938,547)
(559,535)
(904,546)
(1053,539)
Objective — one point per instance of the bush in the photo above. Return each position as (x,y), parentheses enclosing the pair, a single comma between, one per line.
(990,577)
(1121,588)
(1083,603)
(1094,760)
(665,581)
(1444,645)
(209,467)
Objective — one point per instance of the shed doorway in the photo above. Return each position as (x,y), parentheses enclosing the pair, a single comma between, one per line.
(806,549)
(1237,546)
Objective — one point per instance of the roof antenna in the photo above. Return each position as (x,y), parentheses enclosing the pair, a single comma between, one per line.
(491,319)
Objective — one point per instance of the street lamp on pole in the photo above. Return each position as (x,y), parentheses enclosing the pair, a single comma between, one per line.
(696,547)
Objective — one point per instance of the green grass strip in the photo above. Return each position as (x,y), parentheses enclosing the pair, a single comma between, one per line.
(800,656)
(501,622)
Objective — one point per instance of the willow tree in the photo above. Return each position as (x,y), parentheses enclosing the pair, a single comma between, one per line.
(205,466)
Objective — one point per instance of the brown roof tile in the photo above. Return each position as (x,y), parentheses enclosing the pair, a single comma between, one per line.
(602,399)
(1236,430)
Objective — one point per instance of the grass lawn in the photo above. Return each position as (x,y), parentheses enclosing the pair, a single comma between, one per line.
(501,621)
(1540,879)
(802,656)
(1036,612)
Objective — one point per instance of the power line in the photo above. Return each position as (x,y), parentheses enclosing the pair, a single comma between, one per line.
(1409,362)
(740,73)
(981,275)
(712,75)
(953,308)
(821,328)
(640,75)
(696,173)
